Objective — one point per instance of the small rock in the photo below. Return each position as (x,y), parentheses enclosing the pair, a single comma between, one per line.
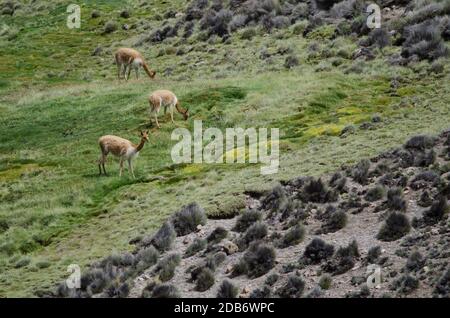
(229,247)
(228,269)
(186,241)
(199,227)
(246,290)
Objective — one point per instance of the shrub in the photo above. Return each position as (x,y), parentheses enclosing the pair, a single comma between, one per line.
(317,251)
(204,280)
(94,281)
(291,61)
(164,238)
(217,235)
(255,232)
(260,258)
(395,199)
(281,22)
(335,221)
(343,260)
(95,14)
(345,9)
(22,262)
(373,254)
(147,257)
(165,268)
(195,247)
(415,261)
(238,21)
(248,34)
(165,291)
(272,279)
(406,284)
(437,211)
(188,218)
(425,199)
(110,27)
(361,172)
(125,14)
(442,288)
(425,41)
(293,288)
(293,236)
(325,281)
(378,37)
(396,226)
(259,293)
(246,219)
(274,199)
(227,290)
(118,290)
(316,191)
(375,193)
(420,142)
(43,264)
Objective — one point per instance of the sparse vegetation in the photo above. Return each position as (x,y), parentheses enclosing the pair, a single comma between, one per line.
(351,91)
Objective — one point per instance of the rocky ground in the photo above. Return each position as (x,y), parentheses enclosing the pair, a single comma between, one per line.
(305,238)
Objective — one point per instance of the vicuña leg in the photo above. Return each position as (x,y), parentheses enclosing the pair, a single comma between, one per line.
(130,167)
(121,167)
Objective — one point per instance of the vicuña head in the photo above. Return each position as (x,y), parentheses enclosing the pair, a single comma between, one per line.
(127,59)
(121,148)
(166,99)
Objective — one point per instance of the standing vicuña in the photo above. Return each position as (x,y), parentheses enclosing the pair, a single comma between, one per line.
(164,98)
(121,148)
(127,59)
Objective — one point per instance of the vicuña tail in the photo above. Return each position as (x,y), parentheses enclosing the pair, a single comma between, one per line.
(147,70)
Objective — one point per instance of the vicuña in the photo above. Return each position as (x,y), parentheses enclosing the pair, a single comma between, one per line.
(165,98)
(122,148)
(126,59)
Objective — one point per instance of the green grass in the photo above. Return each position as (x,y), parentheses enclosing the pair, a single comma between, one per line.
(56,211)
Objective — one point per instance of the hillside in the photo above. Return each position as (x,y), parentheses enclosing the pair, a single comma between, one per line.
(338,91)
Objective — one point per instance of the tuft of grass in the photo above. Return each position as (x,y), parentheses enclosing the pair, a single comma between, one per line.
(325,281)
(396,226)
(317,251)
(227,290)
(246,219)
(293,288)
(195,247)
(188,218)
(165,269)
(205,280)
(293,236)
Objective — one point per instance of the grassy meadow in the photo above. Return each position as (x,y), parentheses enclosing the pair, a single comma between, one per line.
(57,99)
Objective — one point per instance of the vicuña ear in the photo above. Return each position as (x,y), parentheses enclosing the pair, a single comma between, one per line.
(141,133)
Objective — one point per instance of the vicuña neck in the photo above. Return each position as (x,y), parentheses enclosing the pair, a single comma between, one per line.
(179,109)
(141,145)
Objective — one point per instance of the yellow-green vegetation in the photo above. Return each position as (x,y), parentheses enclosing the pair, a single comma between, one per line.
(56,100)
